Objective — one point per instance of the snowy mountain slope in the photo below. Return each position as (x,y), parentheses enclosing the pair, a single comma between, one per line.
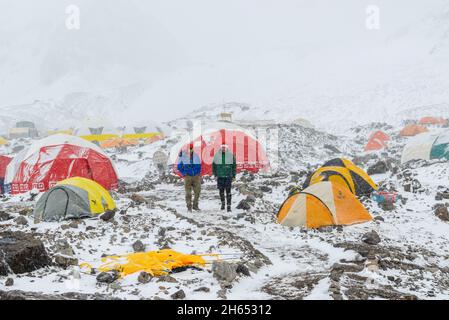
(342,70)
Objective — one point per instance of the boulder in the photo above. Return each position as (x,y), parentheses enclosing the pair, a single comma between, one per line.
(178,295)
(21,220)
(4,216)
(144,277)
(378,168)
(442,212)
(138,246)
(108,215)
(21,253)
(371,238)
(108,277)
(244,205)
(224,271)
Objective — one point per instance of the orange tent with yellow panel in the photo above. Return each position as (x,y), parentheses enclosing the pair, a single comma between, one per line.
(118,143)
(322,204)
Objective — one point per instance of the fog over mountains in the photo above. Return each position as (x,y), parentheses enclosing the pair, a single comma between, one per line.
(163,60)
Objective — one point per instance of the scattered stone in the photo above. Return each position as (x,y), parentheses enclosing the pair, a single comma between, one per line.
(332,148)
(4,216)
(89,228)
(202,289)
(138,199)
(371,238)
(108,215)
(379,218)
(387,206)
(378,168)
(138,246)
(442,212)
(21,220)
(65,261)
(224,271)
(244,205)
(266,189)
(108,277)
(144,277)
(242,269)
(22,253)
(167,278)
(9,282)
(178,295)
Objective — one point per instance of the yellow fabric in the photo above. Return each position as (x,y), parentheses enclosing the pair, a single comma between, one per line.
(318,176)
(351,166)
(3,141)
(140,135)
(99,137)
(155,263)
(99,198)
(326,203)
(69,132)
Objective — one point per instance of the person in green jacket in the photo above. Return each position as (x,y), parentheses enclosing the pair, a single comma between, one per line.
(224,168)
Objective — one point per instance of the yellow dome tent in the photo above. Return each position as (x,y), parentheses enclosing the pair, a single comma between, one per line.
(344,172)
(73,198)
(3,141)
(322,204)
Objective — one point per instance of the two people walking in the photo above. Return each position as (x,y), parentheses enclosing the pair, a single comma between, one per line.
(224,168)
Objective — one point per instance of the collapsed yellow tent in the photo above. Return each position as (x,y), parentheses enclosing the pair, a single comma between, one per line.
(346,173)
(155,263)
(3,141)
(322,204)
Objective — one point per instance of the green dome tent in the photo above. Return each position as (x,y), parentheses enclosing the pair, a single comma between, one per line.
(427,146)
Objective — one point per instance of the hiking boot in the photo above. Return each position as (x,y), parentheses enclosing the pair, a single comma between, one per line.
(196,208)
(222,206)
(189,209)
(229,209)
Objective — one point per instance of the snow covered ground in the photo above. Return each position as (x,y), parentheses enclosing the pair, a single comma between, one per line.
(411,261)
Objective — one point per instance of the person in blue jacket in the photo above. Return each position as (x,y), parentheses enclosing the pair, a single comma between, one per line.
(189,166)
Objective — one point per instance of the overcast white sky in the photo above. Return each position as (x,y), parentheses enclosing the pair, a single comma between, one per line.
(169,41)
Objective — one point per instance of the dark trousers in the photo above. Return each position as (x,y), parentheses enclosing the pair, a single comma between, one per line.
(224,185)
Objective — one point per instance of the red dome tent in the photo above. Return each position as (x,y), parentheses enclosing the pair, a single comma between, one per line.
(4,161)
(249,153)
(433,121)
(56,158)
(377,141)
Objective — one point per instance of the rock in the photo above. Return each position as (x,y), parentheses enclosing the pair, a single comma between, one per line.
(266,189)
(108,215)
(21,252)
(242,269)
(167,278)
(378,168)
(89,228)
(65,261)
(9,282)
(144,277)
(21,220)
(442,212)
(387,206)
(138,246)
(202,289)
(4,216)
(138,199)
(244,205)
(108,277)
(379,218)
(64,248)
(371,238)
(178,295)
(224,271)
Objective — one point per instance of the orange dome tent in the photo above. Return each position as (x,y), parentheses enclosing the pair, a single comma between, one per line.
(411,130)
(433,120)
(377,141)
(322,204)
(118,143)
